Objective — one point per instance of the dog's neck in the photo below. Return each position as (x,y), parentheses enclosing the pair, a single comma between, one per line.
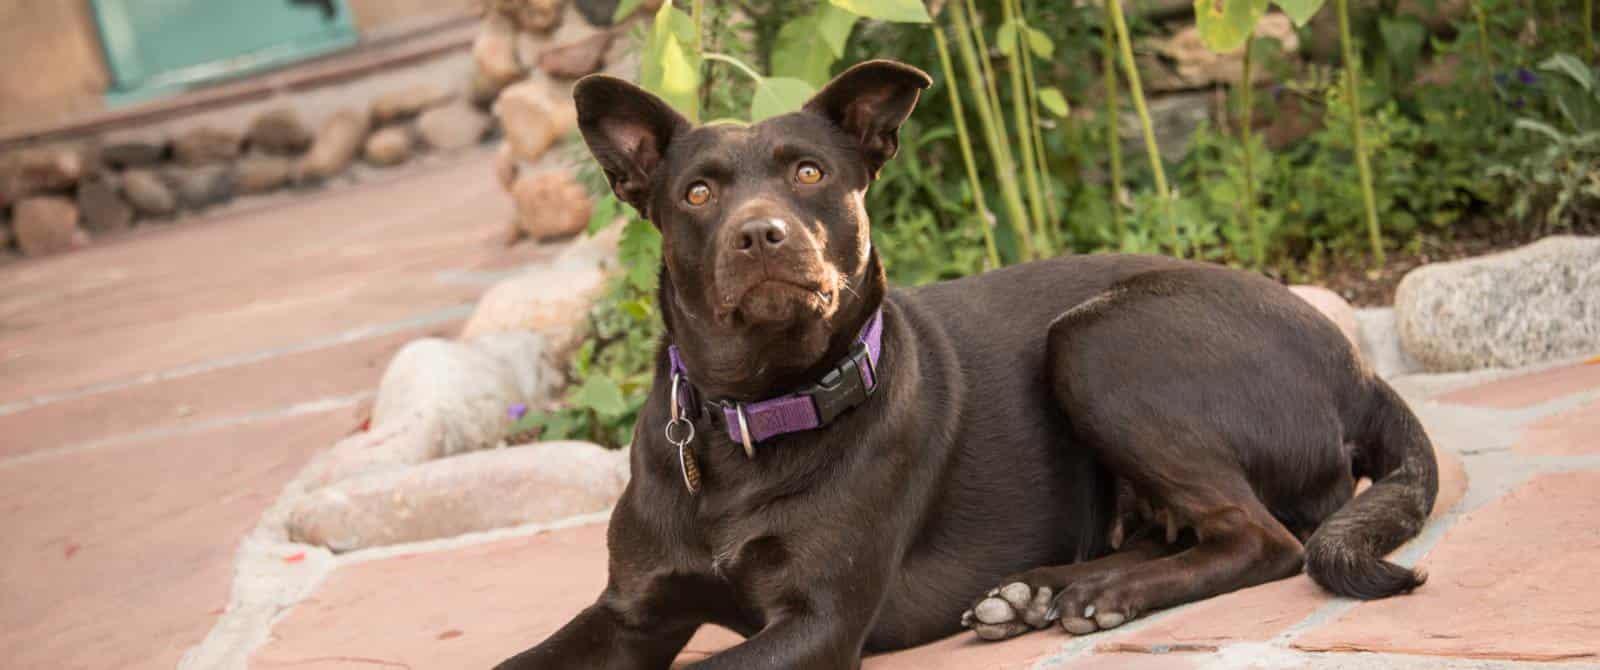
(753,364)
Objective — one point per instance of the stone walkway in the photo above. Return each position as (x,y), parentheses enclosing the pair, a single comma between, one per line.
(163,388)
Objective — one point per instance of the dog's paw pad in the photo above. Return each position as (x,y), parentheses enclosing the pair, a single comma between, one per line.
(1093,620)
(1109,620)
(994,610)
(1009,611)
(1078,625)
(1001,631)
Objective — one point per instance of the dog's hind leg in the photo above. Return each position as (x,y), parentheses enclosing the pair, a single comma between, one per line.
(1237,544)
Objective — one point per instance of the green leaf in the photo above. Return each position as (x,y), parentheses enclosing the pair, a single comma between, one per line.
(605,211)
(834,26)
(798,53)
(639,250)
(1403,37)
(1540,127)
(1300,11)
(778,95)
(1040,43)
(1051,99)
(900,11)
(1005,39)
(667,67)
(600,394)
(625,9)
(1572,67)
(1225,25)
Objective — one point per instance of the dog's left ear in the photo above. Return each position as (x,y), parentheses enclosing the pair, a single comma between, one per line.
(869,102)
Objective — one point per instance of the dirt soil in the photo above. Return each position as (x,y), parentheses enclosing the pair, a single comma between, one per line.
(1354,277)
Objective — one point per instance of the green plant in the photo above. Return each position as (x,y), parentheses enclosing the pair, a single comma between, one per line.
(1558,179)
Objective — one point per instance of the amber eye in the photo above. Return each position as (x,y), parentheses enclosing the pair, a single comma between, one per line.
(808,173)
(698,194)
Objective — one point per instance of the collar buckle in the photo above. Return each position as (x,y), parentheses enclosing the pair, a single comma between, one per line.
(845,386)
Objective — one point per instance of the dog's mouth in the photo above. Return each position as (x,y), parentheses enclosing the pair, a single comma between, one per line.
(767,299)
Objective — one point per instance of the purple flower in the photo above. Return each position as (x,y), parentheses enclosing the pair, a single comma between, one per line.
(1526,76)
(517,411)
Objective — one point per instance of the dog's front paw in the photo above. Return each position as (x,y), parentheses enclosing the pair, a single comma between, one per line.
(1011,610)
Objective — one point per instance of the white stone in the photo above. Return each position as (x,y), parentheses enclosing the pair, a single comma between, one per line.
(1536,304)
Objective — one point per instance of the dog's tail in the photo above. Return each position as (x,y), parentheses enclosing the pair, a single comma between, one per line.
(1345,555)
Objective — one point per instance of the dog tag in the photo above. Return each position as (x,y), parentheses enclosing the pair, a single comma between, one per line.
(681,439)
(691,469)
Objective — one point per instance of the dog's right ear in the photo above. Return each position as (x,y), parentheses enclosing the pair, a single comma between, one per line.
(628,130)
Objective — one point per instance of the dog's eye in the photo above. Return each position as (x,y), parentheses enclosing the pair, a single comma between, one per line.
(698,194)
(808,173)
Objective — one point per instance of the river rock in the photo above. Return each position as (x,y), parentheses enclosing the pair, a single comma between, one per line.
(40,170)
(205,145)
(389,146)
(261,173)
(550,203)
(536,16)
(47,225)
(202,187)
(553,301)
(102,206)
(337,143)
(133,153)
(577,58)
(149,193)
(467,385)
(495,51)
(1531,305)
(454,126)
(1336,308)
(1196,67)
(533,118)
(408,102)
(498,488)
(279,131)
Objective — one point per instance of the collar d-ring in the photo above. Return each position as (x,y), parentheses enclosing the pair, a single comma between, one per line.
(744,432)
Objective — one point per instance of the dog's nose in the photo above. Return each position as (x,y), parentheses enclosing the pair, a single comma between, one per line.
(768,233)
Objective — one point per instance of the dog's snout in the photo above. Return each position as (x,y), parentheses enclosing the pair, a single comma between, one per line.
(765,233)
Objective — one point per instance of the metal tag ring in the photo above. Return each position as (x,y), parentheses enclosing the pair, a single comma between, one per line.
(686,428)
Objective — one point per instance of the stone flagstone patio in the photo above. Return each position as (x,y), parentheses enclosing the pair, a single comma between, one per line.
(163,387)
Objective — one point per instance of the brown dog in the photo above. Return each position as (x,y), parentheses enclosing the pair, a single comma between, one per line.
(829,467)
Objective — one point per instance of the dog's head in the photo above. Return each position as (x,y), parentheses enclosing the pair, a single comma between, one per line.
(764,227)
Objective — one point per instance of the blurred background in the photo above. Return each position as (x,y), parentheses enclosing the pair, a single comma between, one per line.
(289,287)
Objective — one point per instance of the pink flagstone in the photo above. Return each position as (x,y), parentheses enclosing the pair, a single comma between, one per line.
(1509,582)
(1530,389)
(1570,433)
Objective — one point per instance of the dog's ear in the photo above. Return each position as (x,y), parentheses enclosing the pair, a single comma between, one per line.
(869,102)
(628,130)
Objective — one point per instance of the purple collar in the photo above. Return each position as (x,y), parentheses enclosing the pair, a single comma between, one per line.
(848,384)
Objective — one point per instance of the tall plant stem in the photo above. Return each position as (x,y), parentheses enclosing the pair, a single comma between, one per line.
(994,131)
(1136,91)
(1050,209)
(1352,76)
(1246,94)
(697,16)
(1020,102)
(953,88)
(1588,26)
(1486,66)
(1108,64)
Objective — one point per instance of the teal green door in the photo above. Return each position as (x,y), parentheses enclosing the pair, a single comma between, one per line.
(155,47)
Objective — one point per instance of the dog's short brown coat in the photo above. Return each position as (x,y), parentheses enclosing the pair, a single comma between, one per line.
(1102,435)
